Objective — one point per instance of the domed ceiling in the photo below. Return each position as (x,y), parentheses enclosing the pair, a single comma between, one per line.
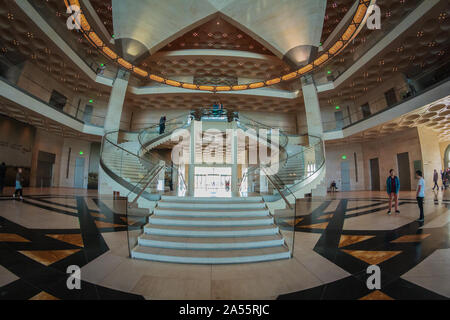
(144,27)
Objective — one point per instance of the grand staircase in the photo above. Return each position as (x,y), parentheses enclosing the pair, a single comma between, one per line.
(207,230)
(211,231)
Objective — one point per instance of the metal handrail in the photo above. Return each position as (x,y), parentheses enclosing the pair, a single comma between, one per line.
(278,189)
(146,185)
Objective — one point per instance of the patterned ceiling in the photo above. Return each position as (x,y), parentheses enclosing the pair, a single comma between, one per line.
(175,66)
(199,100)
(336,10)
(435,116)
(104,12)
(427,42)
(419,48)
(21,39)
(217,34)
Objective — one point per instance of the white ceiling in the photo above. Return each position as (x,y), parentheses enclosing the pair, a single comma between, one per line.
(281,25)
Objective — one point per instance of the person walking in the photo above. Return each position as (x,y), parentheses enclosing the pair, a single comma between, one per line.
(393,188)
(420,194)
(19,185)
(162,124)
(2,176)
(435,179)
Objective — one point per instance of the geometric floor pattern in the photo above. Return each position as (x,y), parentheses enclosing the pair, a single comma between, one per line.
(394,251)
(39,257)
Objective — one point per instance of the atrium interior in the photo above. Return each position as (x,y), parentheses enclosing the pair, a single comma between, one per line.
(224,149)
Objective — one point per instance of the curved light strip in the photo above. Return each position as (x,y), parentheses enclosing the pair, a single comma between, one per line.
(358,21)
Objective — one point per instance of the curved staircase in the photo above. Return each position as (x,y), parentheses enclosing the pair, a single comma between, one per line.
(210,230)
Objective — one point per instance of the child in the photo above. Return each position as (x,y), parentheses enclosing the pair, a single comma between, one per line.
(19,180)
(420,194)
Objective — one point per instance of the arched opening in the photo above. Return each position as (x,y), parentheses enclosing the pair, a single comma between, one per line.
(447,157)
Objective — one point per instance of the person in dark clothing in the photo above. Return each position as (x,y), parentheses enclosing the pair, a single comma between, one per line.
(435,179)
(393,188)
(2,176)
(162,124)
(19,185)
(333,186)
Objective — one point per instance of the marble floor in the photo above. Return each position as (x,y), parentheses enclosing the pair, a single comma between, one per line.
(336,239)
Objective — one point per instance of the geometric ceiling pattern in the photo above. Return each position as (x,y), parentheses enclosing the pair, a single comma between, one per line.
(217,34)
(195,101)
(201,66)
(335,12)
(21,39)
(139,37)
(435,116)
(423,45)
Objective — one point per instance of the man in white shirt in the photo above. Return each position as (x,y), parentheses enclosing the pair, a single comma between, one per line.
(420,194)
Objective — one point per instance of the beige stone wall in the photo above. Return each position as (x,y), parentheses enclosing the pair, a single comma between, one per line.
(431,153)
(285,121)
(50,143)
(146,118)
(333,164)
(76,146)
(385,149)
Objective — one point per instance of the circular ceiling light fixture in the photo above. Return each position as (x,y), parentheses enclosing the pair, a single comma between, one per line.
(355,27)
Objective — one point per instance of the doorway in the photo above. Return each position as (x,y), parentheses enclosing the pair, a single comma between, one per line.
(447,158)
(404,171)
(212,182)
(375,174)
(87,117)
(79,173)
(345,176)
(391,97)
(339,117)
(365,109)
(44,172)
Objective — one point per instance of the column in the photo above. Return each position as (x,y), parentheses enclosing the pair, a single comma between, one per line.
(196,132)
(314,124)
(234,162)
(312,107)
(115,105)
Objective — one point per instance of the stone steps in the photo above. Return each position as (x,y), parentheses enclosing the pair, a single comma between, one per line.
(211,231)
(210,256)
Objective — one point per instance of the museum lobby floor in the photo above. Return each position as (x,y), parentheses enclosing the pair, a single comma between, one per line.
(336,240)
